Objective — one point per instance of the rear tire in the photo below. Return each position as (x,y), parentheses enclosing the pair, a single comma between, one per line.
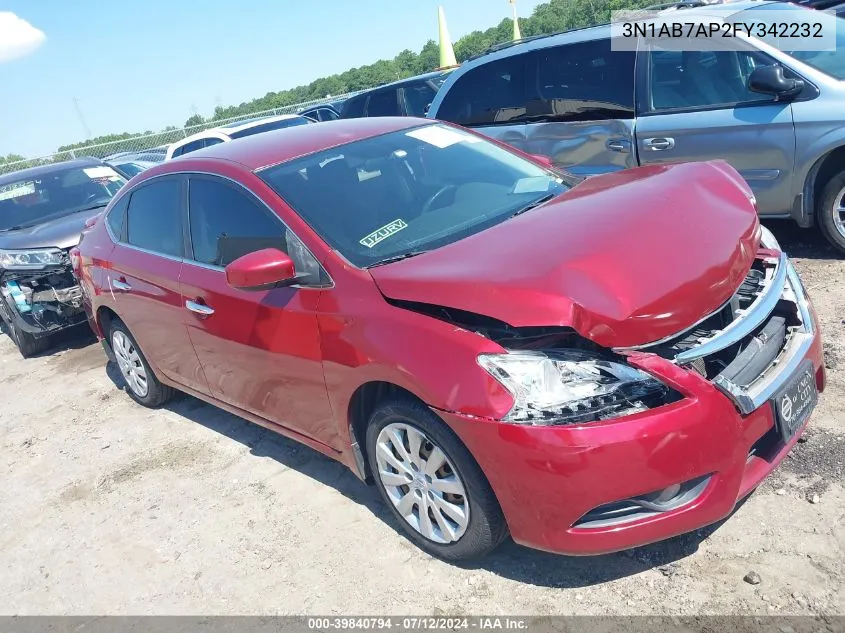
(831,212)
(141,383)
(431,483)
(27,344)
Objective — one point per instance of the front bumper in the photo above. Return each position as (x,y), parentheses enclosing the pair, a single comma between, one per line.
(548,479)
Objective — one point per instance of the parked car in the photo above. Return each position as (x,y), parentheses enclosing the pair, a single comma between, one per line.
(499,347)
(232,131)
(42,212)
(130,166)
(320,113)
(773,115)
(408,97)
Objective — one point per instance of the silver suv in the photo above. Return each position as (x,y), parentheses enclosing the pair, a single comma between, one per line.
(776,116)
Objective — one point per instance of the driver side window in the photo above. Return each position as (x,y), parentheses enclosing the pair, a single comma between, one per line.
(680,80)
(227,223)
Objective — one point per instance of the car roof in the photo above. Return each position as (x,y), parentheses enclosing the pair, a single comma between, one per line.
(402,82)
(232,128)
(43,170)
(237,126)
(717,10)
(278,146)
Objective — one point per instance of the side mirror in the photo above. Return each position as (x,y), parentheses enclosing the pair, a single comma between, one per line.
(261,270)
(771,81)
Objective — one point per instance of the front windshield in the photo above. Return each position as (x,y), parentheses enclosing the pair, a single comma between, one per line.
(830,62)
(409,191)
(29,201)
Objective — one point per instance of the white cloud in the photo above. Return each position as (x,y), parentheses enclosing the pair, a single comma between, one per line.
(18,37)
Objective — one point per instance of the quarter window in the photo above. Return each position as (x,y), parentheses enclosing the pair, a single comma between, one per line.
(117,216)
(354,107)
(154,219)
(493,93)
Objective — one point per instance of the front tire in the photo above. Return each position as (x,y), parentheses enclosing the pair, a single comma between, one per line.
(431,483)
(831,212)
(141,383)
(27,344)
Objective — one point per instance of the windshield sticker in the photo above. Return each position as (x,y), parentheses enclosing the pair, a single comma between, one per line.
(535,184)
(101,172)
(440,136)
(379,235)
(17,190)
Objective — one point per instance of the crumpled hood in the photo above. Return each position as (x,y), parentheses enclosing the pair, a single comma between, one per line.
(60,232)
(625,259)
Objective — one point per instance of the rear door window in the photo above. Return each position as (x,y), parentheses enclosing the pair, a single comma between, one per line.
(383,103)
(494,93)
(587,81)
(154,217)
(417,99)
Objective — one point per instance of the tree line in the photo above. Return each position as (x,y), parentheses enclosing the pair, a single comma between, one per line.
(550,17)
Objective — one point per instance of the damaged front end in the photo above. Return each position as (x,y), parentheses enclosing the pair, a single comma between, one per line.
(556,376)
(39,294)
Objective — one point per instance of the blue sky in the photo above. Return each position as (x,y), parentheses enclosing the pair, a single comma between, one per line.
(144,65)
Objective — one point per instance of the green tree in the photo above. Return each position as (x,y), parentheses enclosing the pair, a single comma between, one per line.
(196,119)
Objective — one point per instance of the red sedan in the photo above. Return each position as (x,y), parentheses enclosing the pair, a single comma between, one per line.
(499,347)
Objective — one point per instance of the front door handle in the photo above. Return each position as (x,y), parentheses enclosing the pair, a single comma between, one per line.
(118,284)
(199,308)
(659,144)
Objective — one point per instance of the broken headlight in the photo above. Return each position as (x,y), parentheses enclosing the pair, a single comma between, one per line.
(570,386)
(30,259)
(768,240)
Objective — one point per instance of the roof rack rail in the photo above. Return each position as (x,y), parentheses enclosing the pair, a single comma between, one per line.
(504,45)
(682,4)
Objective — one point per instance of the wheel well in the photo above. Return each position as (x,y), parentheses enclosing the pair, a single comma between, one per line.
(104,318)
(826,168)
(361,406)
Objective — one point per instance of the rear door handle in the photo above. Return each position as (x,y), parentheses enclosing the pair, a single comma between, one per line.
(118,284)
(659,144)
(618,146)
(199,308)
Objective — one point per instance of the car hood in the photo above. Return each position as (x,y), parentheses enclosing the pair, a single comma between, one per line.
(62,232)
(625,259)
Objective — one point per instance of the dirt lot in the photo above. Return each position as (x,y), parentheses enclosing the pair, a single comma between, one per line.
(108,508)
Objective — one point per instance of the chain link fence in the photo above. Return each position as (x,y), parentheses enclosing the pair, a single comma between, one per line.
(159,140)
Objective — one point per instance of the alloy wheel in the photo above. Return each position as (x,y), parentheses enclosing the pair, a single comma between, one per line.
(839,212)
(421,482)
(130,364)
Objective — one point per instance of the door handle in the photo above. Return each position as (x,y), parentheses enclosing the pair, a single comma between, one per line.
(659,144)
(199,308)
(119,284)
(618,146)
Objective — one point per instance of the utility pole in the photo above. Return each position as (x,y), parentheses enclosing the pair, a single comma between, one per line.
(82,122)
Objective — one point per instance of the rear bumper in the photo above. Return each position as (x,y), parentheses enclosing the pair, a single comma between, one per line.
(548,478)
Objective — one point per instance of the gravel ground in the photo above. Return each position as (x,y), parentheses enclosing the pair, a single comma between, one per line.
(108,508)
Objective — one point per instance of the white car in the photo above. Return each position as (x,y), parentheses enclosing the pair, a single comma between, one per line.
(231,131)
